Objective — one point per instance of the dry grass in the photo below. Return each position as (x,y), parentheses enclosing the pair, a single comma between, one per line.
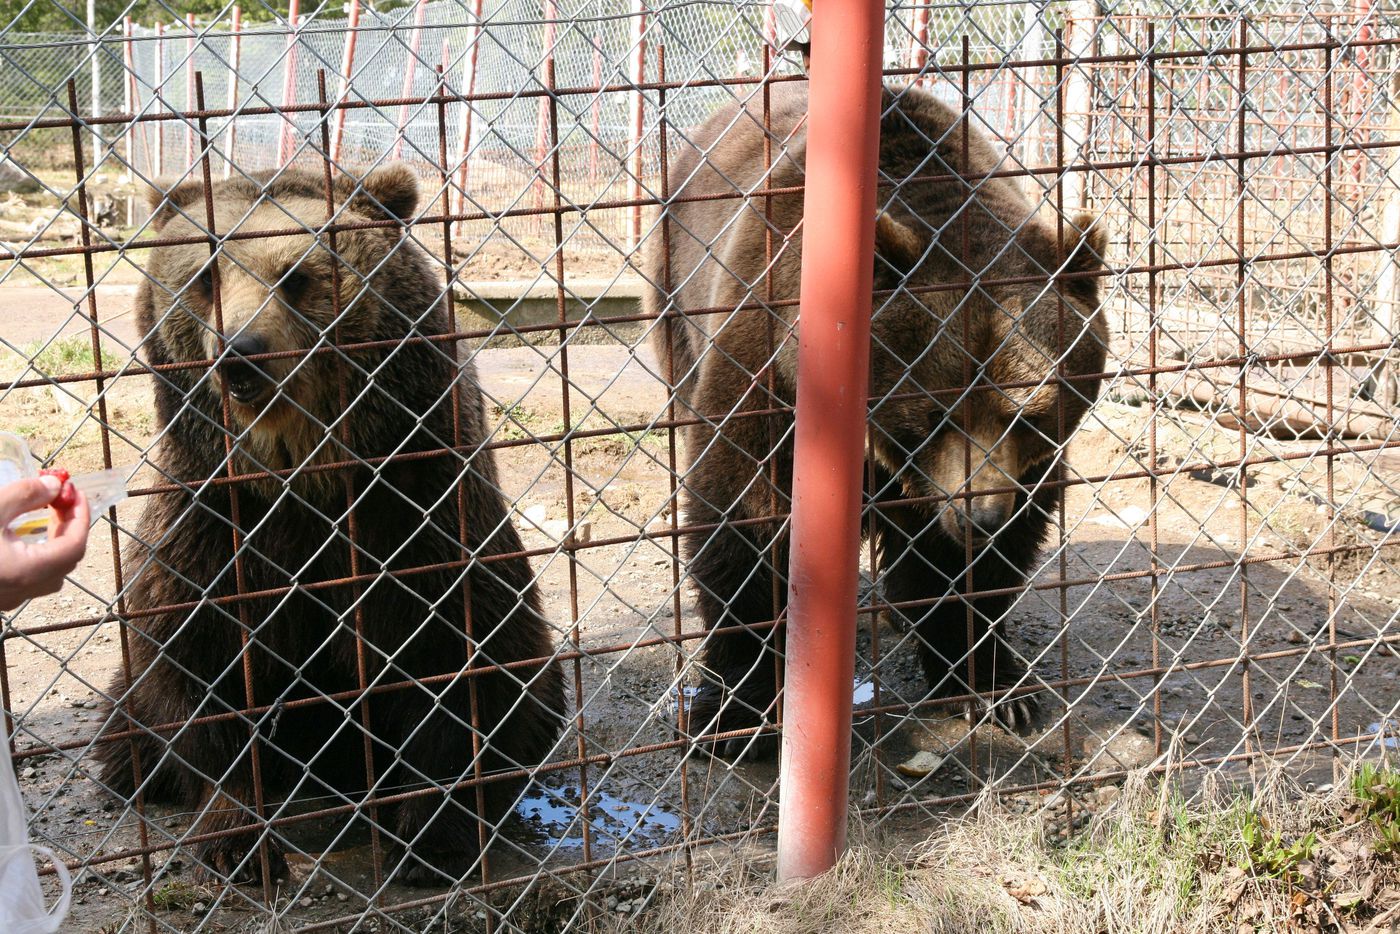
(1153,862)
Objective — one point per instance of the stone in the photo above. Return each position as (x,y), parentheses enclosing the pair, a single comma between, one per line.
(922,763)
(13,178)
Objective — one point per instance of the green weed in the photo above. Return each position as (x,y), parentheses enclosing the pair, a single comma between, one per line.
(1377,791)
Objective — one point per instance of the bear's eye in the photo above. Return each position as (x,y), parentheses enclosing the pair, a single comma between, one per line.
(206,281)
(294,283)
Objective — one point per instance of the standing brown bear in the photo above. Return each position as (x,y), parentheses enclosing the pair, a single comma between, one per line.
(999,444)
(427,603)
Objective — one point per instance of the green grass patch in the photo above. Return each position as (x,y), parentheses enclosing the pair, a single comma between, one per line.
(1377,791)
(65,356)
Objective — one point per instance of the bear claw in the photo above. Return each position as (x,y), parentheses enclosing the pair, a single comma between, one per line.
(229,861)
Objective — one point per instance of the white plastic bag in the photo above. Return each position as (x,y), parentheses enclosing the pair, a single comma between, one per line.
(792,21)
(22,908)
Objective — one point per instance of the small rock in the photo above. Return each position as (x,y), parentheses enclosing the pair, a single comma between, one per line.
(536,515)
(27,773)
(921,764)
(306,902)
(1127,750)
(583,532)
(198,908)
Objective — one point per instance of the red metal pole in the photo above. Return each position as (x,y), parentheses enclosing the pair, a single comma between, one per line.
(347,65)
(158,86)
(235,49)
(414,45)
(130,96)
(542,135)
(833,371)
(289,87)
(464,167)
(637,73)
(189,88)
(918,42)
(597,107)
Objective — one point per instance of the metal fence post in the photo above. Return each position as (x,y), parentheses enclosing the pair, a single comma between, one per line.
(832,384)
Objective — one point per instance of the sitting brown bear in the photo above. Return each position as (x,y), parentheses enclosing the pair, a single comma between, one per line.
(998,445)
(429,600)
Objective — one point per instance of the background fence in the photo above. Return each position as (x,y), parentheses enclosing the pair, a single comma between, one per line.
(1217,588)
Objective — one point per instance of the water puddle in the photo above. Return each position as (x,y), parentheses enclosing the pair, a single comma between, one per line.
(553,813)
(1392,730)
(863,691)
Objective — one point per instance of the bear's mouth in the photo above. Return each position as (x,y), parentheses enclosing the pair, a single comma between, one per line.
(247,382)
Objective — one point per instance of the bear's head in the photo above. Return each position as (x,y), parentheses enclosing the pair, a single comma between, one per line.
(967,401)
(267,296)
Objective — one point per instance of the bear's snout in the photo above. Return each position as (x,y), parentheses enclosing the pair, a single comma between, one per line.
(978,519)
(248,383)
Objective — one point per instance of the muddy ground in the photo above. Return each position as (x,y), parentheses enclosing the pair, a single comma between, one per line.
(1100,637)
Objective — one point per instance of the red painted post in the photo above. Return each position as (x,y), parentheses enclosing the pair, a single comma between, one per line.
(551,13)
(464,167)
(414,44)
(129,95)
(597,108)
(637,73)
(347,65)
(289,87)
(158,88)
(189,89)
(235,50)
(833,371)
(918,41)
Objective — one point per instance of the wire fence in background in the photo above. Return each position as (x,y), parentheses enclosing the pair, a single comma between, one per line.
(483,433)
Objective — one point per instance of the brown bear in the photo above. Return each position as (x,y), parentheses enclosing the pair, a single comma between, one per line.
(438,585)
(947,465)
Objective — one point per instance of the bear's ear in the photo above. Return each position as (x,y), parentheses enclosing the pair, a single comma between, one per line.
(391,190)
(1087,254)
(1086,257)
(167,203)
(898,243)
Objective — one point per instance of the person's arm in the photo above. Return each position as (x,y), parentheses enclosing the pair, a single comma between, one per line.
(32,570)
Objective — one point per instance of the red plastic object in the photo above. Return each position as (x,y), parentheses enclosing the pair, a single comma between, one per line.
(67,496)
(832,384)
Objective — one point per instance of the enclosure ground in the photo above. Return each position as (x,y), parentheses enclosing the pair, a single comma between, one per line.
(624,594)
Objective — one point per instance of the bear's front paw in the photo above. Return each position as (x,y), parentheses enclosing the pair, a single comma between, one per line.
(1019,712)
(713,711)
(232,860)
(434,868)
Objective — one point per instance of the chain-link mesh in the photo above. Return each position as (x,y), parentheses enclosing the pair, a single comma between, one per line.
(452,366)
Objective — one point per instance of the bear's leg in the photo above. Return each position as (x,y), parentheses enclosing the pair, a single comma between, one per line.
(918,563)
(734,575)
(230,855)
(437,831)
(119,759)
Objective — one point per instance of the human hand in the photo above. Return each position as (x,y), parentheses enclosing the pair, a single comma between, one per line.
(32,570)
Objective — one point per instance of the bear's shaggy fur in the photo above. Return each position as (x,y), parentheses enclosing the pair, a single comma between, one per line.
(925,430)
(194,655)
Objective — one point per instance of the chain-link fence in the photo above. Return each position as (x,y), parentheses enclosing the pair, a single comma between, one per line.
(453,376)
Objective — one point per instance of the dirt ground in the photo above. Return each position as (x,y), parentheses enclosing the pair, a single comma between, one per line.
(1210,607)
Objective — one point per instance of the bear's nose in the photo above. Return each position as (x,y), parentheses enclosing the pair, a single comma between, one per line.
(246,381)
(983,520)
